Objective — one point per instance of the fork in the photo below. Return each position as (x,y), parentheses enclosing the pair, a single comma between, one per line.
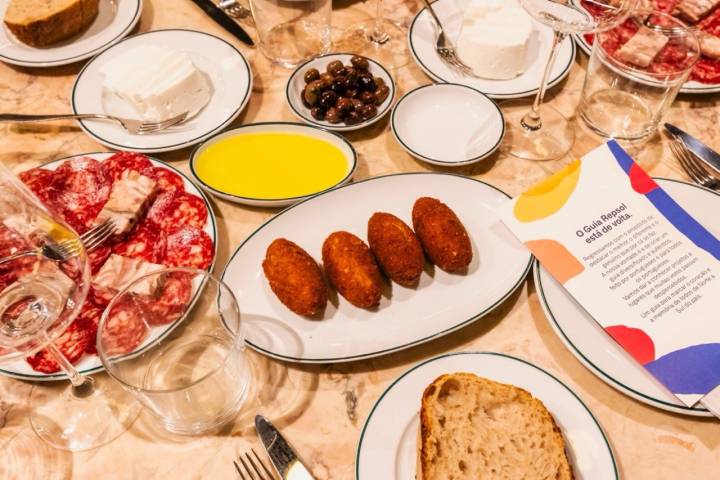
(251,469)
(234,9)
(132,126)
(445,48)
(67,249)
(693,168)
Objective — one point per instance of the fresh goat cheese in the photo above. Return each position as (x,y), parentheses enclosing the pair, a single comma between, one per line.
(118,272)
(129,196)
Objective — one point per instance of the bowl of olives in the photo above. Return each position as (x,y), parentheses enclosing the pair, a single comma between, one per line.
(340,91)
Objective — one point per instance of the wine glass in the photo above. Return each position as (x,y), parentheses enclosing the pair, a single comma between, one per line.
(40,299)
(379,38)
(543,133)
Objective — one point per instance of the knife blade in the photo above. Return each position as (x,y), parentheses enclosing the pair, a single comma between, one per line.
(224,21)
(283,457)
(709,156)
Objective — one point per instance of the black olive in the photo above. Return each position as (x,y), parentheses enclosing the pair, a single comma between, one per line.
(351,93)
(367,83)
(333,115)
(311,75)
(361,63)
(344,105)
(351,80)
(356,103)
(381,94)
(326,80)
(312,92)
(334,67)
(317,113)
(338,85)
(353,118)
(367,97)
(328,99)
(368,111)
(379,82)
(302,97)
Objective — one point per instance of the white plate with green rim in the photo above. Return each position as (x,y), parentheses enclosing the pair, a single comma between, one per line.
(89,364)
(596,350)
(388,443)
(440,304)
(271,172)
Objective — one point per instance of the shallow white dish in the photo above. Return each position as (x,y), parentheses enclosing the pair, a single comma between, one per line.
(440,304)
(447,124)
(422,35)
(388,443)
(340,142)
(226,68)
(115,19)
(296,83)
(594,348)
(91,363)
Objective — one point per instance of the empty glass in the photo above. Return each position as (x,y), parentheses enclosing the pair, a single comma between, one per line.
(292,31)
(625,100)
(194,378)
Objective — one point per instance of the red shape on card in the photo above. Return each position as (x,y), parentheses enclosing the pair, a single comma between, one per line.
(635,341)
(640,180)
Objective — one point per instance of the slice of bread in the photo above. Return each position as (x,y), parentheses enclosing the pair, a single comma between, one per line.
(474,428)
(43,22)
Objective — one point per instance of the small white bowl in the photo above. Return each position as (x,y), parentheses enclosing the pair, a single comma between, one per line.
(448,124)
(296,83)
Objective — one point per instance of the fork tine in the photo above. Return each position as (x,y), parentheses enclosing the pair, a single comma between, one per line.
(267,471)
(99,238)
(97,231)
(147,127)
(252,462)
(677,149)
(237,467)
(247,469)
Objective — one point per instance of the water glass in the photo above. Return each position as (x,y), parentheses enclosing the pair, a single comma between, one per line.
(181,354)
(624,100)
(292,31)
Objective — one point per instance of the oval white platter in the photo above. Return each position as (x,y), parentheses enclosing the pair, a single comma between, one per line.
(115,19)
(91,363)
(594,348)
(440,304)
(224,66)
(422,35)
(388,443)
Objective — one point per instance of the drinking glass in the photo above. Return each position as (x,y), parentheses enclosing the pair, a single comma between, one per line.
(543,133)
(378,38)
(626,101)
(195,378)
(292,31)
(39,299)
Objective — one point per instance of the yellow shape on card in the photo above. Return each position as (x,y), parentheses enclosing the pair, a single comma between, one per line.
(548,196)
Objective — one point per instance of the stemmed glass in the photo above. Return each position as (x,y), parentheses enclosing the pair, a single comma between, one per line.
(543,133)
(39,299)
(379,38)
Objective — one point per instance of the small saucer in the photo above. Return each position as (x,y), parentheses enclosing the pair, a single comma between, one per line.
(448,124)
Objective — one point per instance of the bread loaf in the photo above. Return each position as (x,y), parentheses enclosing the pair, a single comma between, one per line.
(43,22)
(474,428)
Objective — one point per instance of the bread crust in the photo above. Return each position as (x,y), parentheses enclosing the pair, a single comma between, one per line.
(430,394)
(68,20)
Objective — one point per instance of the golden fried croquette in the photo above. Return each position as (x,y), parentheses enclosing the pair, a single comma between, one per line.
(396,248)
(441,234)
(295,278)
(351,268)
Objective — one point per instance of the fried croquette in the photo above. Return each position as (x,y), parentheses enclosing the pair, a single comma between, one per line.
(396,248)
(351,268)
(441,234)
(295,278)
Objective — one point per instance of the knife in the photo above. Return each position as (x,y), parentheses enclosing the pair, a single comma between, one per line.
(283,457)
(224,21)
(709,156)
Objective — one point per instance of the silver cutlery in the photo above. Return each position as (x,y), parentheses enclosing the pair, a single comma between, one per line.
(691,165)
(234,9)
(701,151)
(67,249)
(445,48)
(251,470)
(286,462)
(132,126)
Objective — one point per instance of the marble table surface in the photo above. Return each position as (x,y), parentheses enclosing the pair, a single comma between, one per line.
(322,407)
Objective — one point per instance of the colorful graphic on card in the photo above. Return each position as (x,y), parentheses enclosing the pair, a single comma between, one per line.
(635,259)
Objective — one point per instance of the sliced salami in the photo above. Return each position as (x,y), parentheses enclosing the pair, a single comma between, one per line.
(114,166)
(38,181)
(189,247)
(125,327)
(92,315)
(172,211)
(167,180)
(72,343)
(172,301)
(98,257)
(99,297)
(80,189)
(144,243)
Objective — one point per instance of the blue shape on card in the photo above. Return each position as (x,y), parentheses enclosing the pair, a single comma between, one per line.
(690,370)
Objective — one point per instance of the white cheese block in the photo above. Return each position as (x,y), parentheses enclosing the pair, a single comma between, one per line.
(494,38)
(128,198)
(118,272)
(157,82)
